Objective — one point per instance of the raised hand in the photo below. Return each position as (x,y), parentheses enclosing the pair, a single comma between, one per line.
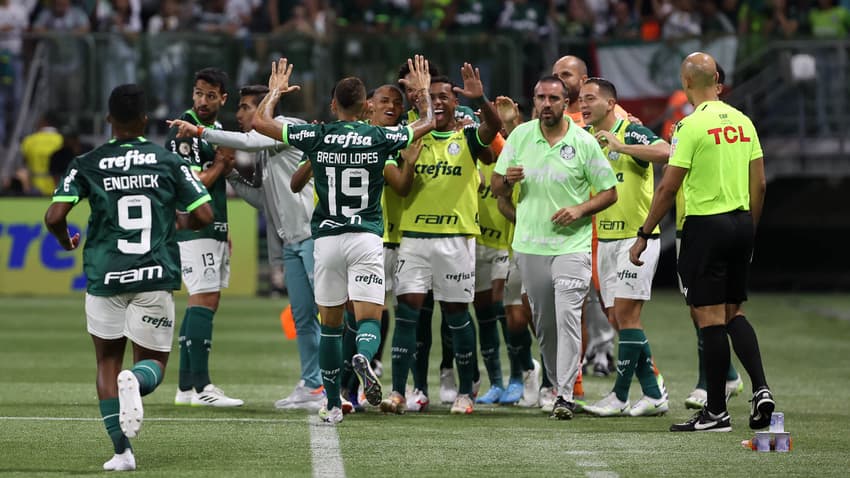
(420,76)
(472,86)
(507,109)
(279,78)
(185,129)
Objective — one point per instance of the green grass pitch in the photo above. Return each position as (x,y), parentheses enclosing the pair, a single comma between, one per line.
(50,424)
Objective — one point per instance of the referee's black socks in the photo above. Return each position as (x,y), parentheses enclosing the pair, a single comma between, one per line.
(716,351)
(746,346)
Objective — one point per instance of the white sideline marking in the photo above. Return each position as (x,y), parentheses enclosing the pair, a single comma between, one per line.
(590,463)
(601,474)
(92,419)
(324,449)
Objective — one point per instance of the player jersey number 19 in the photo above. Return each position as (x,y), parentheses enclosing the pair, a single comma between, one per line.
(348,189)
(142,223)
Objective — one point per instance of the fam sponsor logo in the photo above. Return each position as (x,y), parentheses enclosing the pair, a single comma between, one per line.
(134,275)
(157,322)
(369,279)
(441,168)
(608,225)
(436,219)
(348,139)
(131,158)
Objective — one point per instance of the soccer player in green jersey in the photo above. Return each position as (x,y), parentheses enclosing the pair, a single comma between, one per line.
(349,160)
(555,163)
(438,224)
(717,158)
(131,259)
(204,254)
(289,238)
(631,150)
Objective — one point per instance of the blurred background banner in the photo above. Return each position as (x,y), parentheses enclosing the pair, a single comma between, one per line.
(32,263)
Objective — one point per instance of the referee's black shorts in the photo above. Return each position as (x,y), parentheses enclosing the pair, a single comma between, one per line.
(714,261)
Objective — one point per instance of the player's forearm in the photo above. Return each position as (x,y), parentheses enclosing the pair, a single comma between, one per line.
(491,124)
(425,123)
(251,194)
(210,175)
(264,121)
(250,141)
(653,153)
(56,223)
(598,202)
(301,177)
(499,185)
(662,201)
(758,188)
(506,207)
(400,179)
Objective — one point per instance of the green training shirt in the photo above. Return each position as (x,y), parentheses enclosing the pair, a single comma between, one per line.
(556,176)
(133,188)
(348,160)
(715,144)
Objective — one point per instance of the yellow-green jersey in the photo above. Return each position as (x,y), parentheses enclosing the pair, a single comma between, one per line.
(496,230)
(715,144)
(392,205)
(635,184)
(444,196)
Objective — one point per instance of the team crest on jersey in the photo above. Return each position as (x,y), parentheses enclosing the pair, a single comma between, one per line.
(613,155)
(184,149)
(454,148)
(568,152)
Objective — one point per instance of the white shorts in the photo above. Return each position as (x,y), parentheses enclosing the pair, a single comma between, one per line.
(513,284)
(390,261)
(619,278)
(444,264)
(490,265)
(349,266)
(146,318)
(205,264)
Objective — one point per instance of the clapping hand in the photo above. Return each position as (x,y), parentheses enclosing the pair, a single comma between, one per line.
(472,86)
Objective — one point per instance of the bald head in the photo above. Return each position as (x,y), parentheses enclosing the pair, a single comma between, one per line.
(699,71)
(572,70)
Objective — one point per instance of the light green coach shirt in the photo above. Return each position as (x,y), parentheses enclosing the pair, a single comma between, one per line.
(555,177)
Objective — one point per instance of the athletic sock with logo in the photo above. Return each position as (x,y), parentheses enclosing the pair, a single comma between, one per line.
(488,332)
(109,410)
(404,344)
(716,365)
(628,353)
(184,377)
(330,362)
(149,374)
(424,338)
(368,337)
(463,343)
(349,346)
(746,346)
(645,372)
(199,341)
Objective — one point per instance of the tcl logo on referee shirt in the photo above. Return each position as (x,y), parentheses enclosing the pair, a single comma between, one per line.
(732,134)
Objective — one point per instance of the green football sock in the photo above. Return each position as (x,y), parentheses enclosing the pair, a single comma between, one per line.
(463,344)
(404,344)
(519,351)
(109,410)
(628,354)
(184,378)
(646,372)
(330,362)
(349,346)
(149,374)
(368,337)
(424,339)
(488,331)
(199,341)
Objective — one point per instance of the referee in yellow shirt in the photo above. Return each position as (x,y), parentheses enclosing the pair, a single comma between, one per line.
(716,156)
